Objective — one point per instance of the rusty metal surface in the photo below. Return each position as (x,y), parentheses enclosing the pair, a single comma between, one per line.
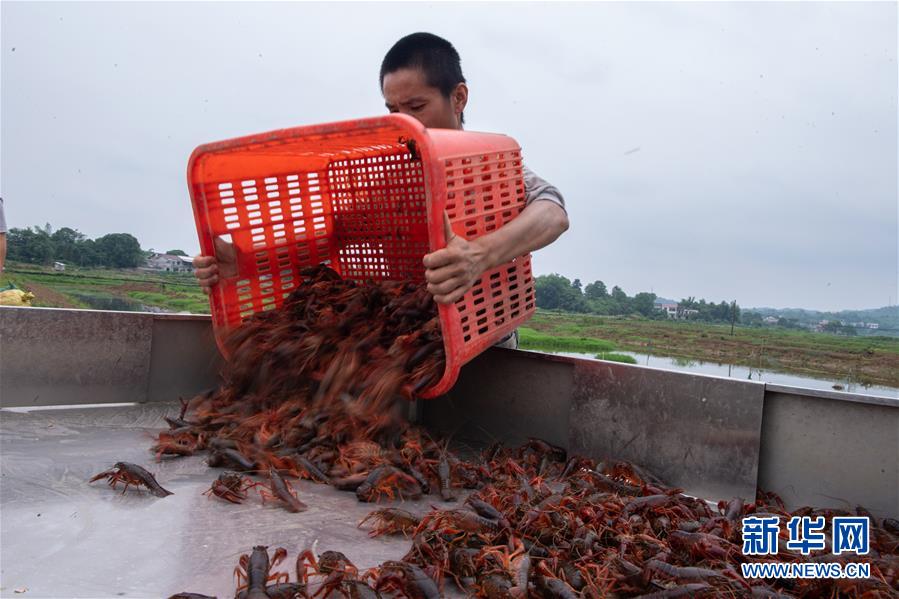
(700,433)
(63,537)
(822,452)
(875,400)
(51,356)
(505,395)
(653,417)
(184,359)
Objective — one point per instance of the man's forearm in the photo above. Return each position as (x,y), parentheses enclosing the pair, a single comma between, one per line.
(539,224)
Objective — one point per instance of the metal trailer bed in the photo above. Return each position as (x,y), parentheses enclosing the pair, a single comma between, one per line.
(63,537)
(60,537)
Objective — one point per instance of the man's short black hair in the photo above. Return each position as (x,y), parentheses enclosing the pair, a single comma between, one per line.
(430,53)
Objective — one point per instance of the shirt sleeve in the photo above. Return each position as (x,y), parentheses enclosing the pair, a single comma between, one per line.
(2,218)
(536,189)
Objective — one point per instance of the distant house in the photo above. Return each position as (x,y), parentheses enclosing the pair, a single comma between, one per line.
(770,320)
(170,263)
(873,325)
(59,266)
(673,310)
(670,309)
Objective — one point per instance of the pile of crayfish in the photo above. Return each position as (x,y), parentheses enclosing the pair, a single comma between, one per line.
(312,391)
(542,524)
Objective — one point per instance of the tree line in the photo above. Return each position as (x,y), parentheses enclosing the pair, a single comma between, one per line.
(43,245)
(555,292)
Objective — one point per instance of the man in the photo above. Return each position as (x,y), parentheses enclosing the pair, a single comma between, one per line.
(421,76)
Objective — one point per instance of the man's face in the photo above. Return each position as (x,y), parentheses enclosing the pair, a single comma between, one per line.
(407,91)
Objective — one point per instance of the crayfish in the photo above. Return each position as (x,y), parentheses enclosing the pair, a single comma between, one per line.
(131,475)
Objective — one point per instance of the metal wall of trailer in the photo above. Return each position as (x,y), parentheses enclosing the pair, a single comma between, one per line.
(715,437)
(51,356)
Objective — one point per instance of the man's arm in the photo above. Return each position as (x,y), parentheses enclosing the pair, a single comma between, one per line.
(2,236)
(452,271)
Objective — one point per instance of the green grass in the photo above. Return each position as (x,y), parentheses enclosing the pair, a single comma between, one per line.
(613,357)
(181,302)
(531,339)
(866,359)
(108,289)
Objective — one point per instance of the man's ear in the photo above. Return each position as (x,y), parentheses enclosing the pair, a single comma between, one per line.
(459,98)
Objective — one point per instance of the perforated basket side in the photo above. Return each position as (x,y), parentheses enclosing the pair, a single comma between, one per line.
(380,205)
(367,198)
(484,192)
(351,195)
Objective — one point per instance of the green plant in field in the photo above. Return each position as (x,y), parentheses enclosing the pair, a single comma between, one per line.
(532,339)
(613,357)
(195,303)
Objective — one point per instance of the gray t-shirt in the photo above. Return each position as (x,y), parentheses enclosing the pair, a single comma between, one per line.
(536,188)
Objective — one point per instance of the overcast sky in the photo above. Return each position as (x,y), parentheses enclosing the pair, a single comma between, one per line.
(728,151)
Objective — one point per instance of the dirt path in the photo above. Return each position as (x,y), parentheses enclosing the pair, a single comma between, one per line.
(46,297)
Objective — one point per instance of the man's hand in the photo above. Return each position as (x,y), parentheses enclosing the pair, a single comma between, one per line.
(208,269)
(452,271)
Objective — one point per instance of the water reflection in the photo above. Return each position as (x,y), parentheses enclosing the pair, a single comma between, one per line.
(682,362)
(748,373)
(101,302)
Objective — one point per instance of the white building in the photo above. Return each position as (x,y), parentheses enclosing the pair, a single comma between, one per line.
(770,320)
(170,263)
(670,309)
(673,310)
(59,266)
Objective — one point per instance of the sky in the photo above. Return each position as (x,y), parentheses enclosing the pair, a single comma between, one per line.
(727,151)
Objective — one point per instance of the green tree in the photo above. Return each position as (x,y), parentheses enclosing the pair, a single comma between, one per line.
(620,303)
(752,319)
(119,250)
(555,292)
(577,285)
(839,328)
(176,253)
(788,323)
(29,245)
(88,254)
(550,290)
(644,303)
(689,303)
(596,290)
(65,244)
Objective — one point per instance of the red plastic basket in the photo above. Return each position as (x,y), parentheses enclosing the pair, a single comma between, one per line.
(365,197)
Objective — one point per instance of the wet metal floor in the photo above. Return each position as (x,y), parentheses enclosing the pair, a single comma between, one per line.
(63,537)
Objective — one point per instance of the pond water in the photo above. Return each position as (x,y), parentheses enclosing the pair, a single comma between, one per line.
(747,373)
(99,302)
